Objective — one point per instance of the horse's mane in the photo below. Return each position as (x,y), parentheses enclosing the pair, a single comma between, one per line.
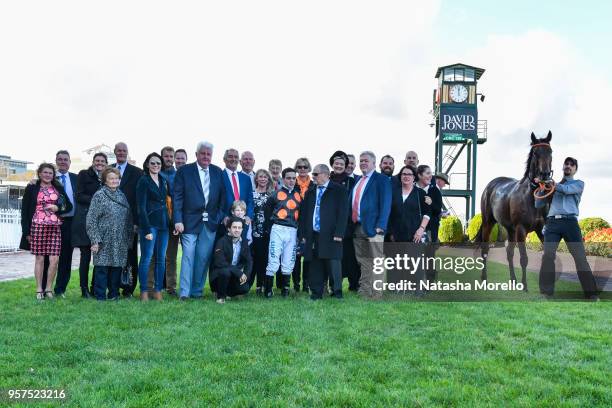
(528,163)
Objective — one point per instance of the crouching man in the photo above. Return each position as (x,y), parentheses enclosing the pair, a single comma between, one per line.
(232,263)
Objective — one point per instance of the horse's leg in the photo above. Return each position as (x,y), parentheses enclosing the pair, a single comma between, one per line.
(521,234)
(487,226)
(510,253)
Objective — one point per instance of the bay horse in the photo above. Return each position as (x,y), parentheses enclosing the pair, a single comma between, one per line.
(510,203)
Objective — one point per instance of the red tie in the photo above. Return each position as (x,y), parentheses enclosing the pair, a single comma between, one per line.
(355,215)
(235,185)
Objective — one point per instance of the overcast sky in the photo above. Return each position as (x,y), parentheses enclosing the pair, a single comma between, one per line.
(286,79)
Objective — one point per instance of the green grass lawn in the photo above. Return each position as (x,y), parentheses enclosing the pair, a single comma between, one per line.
(293,352)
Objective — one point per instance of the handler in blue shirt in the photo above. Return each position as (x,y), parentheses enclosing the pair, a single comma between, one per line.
(562,222)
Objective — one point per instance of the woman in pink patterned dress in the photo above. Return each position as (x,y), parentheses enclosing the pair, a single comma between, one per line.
(43,204)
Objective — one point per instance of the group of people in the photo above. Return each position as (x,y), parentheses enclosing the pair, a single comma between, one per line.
(305,226)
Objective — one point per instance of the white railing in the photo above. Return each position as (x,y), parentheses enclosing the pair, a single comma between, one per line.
(10,230)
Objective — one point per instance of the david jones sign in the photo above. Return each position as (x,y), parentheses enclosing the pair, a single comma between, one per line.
(458,122)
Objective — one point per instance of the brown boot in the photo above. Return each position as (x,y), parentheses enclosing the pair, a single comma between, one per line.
(157,296)
(144,296)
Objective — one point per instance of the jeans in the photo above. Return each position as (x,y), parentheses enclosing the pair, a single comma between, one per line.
(157,245)
(197,254)
(282,248)
(106,277)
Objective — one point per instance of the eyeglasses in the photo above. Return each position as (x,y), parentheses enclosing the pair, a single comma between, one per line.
(154,163)
(302,167)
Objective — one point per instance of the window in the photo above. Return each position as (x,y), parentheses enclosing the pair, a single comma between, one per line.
(449,74)
(459,74)
(469,75)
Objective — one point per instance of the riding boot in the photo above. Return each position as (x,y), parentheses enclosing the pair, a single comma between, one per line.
(268,286)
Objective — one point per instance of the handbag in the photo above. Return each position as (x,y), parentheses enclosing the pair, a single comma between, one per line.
(126,276)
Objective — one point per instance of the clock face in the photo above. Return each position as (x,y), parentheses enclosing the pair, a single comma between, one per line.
(458,93)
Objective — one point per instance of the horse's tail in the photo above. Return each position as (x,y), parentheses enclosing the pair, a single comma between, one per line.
(478,238)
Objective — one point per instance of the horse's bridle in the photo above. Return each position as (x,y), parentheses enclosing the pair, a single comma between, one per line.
(542,187)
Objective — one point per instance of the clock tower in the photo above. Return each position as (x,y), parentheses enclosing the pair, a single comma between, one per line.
(458,130)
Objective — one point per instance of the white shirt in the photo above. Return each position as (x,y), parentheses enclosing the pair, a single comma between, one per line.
(365,183)
(204,174)
(229,174)
(69,191)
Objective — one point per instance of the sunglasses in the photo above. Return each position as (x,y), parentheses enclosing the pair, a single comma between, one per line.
(154,163)
(315,174)
(302,167)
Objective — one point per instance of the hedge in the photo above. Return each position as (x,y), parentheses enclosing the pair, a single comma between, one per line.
(590,224)
(451,230)
(474,225)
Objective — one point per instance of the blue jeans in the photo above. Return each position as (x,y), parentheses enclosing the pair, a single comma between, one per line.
(157,245)
(106,277)
(197,254)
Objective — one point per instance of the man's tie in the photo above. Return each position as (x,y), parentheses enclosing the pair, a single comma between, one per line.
(206,186)
(63,179)
(317,214)
(355,213)
(235,187)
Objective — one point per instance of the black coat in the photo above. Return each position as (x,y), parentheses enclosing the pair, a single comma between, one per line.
(405,216)
(436,209)
(333,214)
(152,209)
(348,183)
(224,252)
(129,180)
(28,208)
(87,185)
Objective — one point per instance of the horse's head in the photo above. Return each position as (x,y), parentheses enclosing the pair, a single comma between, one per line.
(539,163)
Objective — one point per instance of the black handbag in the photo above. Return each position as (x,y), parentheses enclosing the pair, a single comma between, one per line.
(126,276)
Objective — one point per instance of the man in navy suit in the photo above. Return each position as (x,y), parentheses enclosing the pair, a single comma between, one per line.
(69,182)
(199,207)
(237,184)
(370,208)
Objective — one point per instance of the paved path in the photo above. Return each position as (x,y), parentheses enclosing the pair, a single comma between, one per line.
(19,265)
(564,263)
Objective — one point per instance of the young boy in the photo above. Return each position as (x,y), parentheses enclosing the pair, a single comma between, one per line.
(239,210)
(284,208)
(232,263)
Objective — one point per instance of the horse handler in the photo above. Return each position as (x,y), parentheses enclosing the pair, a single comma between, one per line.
(562,222)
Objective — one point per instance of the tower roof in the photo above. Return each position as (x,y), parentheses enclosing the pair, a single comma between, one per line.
(477,71)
